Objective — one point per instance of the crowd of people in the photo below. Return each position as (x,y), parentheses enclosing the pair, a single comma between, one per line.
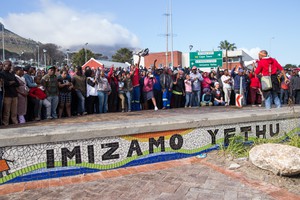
(29,94)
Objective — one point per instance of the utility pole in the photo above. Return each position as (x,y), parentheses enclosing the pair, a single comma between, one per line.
(85,53)
(68,50)
(38,56)
(45,51)
(3,50)
(171,27)
(167,36)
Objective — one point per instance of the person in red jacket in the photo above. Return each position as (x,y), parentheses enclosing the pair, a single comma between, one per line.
(39,94)
(268,66)
(255,89)
(136,87)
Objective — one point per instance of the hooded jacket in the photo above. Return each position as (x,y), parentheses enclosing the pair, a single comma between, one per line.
(263,66)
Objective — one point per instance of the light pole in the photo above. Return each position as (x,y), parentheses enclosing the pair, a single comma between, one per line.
(38,56)
(85,53)
(191,47)
(20,59)
(45,51)
(3,50)
(68,50)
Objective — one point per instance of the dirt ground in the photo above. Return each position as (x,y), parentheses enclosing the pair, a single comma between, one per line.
(292,184)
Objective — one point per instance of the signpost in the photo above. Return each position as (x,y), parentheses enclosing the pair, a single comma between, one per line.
(206,59)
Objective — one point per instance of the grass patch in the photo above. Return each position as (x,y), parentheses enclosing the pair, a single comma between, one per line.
(238,148)
(294,140)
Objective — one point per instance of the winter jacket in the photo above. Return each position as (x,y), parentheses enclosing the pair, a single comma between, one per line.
(166,81)
(263,66)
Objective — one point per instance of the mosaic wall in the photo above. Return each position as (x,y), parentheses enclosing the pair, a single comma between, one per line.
(53,160)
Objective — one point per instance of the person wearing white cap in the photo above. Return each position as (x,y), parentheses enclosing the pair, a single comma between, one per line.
(217,95)
(196,79)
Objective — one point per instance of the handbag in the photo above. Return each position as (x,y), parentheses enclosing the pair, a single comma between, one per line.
(266,81)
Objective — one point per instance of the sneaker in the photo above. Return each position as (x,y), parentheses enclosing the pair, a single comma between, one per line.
(155,108)
(259,105)
(37,119)
(129,110)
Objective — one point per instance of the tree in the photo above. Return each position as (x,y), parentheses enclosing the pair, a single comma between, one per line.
(53,54)
(123,55)
(225,45)
(290,66)
(79,58)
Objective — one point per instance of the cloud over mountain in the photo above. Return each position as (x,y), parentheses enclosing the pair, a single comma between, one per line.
(59,24)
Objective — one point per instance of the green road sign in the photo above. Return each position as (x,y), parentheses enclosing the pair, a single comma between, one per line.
(206,59)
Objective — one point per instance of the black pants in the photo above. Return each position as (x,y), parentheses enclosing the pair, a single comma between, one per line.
(32,108)
(177,100)
(92,104)
(158,98)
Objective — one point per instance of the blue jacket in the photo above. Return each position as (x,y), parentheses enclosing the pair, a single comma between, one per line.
(237,79)
(29,81)
(157,85)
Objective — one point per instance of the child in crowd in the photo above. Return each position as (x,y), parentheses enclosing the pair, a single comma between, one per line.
(206,98)
(39,94)
(65,86)
(188,91)
(217,95)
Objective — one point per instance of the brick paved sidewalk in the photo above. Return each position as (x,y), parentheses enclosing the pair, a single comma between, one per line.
(190,178)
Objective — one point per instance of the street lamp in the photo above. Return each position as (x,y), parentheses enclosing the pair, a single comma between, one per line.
(68,50)
(85,53)
(191,47)
(38,56)
(3,50)
(22,52)
(45,51)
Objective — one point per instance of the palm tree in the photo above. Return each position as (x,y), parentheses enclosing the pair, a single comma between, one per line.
(225,45)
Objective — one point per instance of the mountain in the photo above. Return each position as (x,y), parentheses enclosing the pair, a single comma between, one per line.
(16,45)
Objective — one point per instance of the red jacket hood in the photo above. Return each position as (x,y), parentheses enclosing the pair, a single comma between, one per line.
(268,60)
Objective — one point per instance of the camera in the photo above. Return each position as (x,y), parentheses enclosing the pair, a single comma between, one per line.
(151,75)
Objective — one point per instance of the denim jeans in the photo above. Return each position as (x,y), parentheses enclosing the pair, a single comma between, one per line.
(102,101)
(47,105)
(284,96)
(54,102)
(188,99)
(81,102)
(136,98)
(269,97)
(167,95)
(216,103)
(128,96)
(196,98)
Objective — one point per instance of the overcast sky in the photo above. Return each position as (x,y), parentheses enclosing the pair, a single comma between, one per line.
(251,25)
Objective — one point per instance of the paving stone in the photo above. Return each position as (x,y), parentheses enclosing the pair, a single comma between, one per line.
(230,195)
(194,181)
